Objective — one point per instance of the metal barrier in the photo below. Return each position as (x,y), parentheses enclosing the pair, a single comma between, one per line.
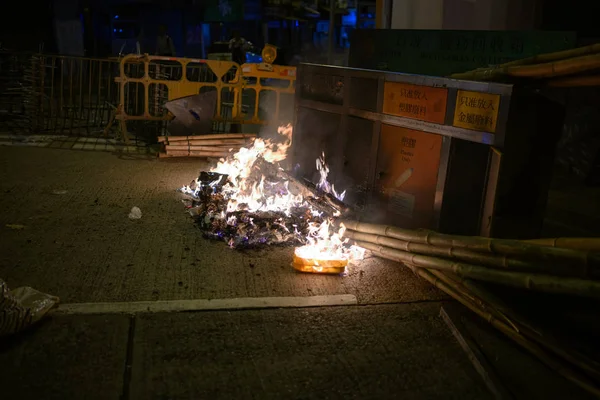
(153,80)
(62,95)
(83,96)
(14,93)
(263,80)
(147,82)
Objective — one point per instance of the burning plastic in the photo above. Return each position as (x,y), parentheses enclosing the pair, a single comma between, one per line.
(248,200)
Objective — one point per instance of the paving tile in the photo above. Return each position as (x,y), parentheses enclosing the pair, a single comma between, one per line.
(97,253)
(66,357)
(403,352)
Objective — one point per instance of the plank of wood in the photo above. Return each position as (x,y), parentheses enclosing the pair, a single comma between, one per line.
(223,149)
(208,137)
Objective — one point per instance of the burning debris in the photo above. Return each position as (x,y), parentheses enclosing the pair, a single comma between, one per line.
(248,200)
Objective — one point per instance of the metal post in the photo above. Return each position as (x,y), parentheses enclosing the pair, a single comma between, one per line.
(331,32)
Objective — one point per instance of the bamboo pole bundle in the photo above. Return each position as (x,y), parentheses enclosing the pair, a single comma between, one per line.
(582,244)
(207,137)
(454,281)
(561,61)
(460,280)
(535,333)
(536,282)
(495,310)
(566,371)
(517,248)
(216,145)
(485,259)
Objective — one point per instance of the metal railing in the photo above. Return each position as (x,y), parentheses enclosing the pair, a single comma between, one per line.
(75,96)
(50,94)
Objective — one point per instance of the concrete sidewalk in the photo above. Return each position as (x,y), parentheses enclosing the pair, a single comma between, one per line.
(77,242)
(360,352)
(65,231)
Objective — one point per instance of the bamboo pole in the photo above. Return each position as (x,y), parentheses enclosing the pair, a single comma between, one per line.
(488,302)
(217,142)
(201,148)
(567,372)
(471,348)
(508,247)
(487,74)
(535,282)
(208,137)
(179,153)
(556,56)
(575,81)
(485,259)
(476,293)
(557,68)
(456,282)
(581,244)
(502,69)
(535,333)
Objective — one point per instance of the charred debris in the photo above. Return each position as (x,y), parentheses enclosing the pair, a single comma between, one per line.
(208,201)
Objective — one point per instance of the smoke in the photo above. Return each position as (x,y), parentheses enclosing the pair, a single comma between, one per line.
(316,132)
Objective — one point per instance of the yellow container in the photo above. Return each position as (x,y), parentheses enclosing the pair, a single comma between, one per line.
(315,269)
(321,263)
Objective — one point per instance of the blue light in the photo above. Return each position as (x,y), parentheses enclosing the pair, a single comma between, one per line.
(116,17)
(350,19)
(120,30)
(297,24)
(114,30)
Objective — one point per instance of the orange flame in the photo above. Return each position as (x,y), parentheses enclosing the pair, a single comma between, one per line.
(323,242)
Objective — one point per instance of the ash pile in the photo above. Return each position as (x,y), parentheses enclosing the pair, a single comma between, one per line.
(266,207)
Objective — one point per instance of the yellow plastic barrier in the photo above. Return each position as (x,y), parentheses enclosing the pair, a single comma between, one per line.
(262,78)
(162,79)
(147,82)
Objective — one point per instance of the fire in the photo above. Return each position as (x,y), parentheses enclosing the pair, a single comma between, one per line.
(326,250)
(244,193)
(323,182)
(256,185)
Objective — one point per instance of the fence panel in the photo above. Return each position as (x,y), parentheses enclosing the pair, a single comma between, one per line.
(75,96)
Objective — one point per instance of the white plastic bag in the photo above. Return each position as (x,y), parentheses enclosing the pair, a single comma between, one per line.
(22,307)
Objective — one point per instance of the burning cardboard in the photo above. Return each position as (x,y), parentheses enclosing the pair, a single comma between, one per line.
(248,200)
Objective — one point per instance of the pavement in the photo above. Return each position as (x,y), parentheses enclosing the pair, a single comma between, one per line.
(78,243)
(75,143)
(393,351)
(65,231)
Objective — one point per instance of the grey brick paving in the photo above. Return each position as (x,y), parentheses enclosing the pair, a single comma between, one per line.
(82,247)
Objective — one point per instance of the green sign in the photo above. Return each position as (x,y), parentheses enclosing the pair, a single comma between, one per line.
(441,53)
(224,10)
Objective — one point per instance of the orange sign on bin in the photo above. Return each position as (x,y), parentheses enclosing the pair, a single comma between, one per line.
(478,111)
(408,163)
(424,103)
